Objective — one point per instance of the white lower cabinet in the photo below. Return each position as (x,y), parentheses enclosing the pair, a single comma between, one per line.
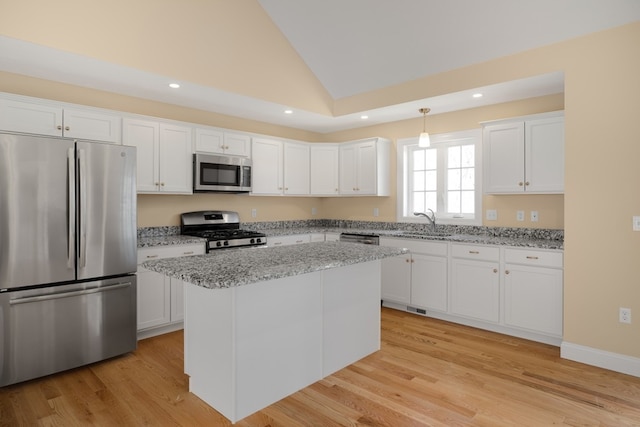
(475,289)
(516,291)
(533,291)
(293,239)
(418,278)
(160,298)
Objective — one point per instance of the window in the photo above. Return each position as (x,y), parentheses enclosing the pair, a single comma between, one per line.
(444,178)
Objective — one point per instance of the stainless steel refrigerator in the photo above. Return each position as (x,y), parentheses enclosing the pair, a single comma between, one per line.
(67,254)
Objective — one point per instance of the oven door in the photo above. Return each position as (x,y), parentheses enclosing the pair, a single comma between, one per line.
(227,174)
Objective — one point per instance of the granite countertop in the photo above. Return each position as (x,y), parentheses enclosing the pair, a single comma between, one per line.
(169,240)
(236,267)
(485,239)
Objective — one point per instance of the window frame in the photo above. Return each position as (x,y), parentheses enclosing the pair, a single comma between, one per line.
(441,142)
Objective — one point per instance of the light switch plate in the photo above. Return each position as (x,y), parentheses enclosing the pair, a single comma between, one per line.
(636,223)
(254,213)
(520,216)
(376,211)
(492,215)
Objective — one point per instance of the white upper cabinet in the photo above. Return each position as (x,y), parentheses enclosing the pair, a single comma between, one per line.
(324,169)
(209,140)
(296,169)
(364,168)
(164,156)
(524,155)
(266,172)
(52,120)
(280,168)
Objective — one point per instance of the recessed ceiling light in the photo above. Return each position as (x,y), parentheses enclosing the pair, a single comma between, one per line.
(364,117)
(288,111)
(477,95)
(174,85)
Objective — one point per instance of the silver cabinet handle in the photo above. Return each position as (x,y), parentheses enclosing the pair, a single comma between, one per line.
(506,272)
(495,270)
(187,253)
(59,127)
(152,256)
(532,257)
(474,252)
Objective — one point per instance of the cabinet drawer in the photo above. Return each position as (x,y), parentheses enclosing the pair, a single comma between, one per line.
(486,253)
(293,239)
(416,246)
(533,257)
(148,254)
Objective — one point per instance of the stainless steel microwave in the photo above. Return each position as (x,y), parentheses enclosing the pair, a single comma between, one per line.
(223,174)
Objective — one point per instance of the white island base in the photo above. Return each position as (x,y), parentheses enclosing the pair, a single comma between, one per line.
(249,346)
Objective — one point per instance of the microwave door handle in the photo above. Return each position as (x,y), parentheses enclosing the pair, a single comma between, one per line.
(82,215)
(71,207)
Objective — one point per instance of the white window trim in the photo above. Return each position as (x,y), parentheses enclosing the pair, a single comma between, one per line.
(401,176)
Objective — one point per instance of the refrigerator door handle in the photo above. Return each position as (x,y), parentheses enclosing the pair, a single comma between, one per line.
(71,202)
(82,216)
(68,294)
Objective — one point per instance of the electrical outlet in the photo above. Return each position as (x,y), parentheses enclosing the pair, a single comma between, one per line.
(520,216)
(492,215)
(534,216)
(314,211)
(376,211)
(625,315)
(636,223)
(254,213)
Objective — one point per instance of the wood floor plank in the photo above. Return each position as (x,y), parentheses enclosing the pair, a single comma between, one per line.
(428,373)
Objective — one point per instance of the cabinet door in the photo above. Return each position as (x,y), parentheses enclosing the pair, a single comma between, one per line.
(366,168)
(27,117)
(475,289)
(396,279)
(348,169)
(82,124)
(144,135)
(544,155)
(237,145)
(267,166)
(533,298)
(324,169)
(296,169)
(154,299)
(504,158)
(429,282)
(209,141)
(176,162)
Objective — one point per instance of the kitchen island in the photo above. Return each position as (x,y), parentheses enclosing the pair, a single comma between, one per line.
(262,323)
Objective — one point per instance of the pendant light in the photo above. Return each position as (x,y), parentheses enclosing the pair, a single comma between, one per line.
(424,141)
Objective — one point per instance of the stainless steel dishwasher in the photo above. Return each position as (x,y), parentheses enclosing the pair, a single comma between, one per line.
(366,239)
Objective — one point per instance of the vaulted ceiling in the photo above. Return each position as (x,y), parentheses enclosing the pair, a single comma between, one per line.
(358,46)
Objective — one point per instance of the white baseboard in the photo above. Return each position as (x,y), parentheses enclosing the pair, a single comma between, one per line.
(600,358)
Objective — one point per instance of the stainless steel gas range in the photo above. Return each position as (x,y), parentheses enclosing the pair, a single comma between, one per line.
(221,229)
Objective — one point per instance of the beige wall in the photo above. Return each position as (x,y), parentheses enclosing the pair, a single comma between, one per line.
(602,100)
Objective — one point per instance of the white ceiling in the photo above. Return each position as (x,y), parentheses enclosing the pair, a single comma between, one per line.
(356,46)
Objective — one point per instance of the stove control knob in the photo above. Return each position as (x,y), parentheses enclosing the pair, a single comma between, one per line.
(252,241)
(226,243)
(258,240)
(218,244)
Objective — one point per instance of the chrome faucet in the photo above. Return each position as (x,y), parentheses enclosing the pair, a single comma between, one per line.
(432,218)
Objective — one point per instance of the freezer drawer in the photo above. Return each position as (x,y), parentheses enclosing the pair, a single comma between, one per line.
(52,329)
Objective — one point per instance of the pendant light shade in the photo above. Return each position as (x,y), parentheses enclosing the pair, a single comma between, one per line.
(424,141)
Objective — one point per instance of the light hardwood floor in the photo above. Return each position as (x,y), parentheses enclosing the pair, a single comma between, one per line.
(428,372)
